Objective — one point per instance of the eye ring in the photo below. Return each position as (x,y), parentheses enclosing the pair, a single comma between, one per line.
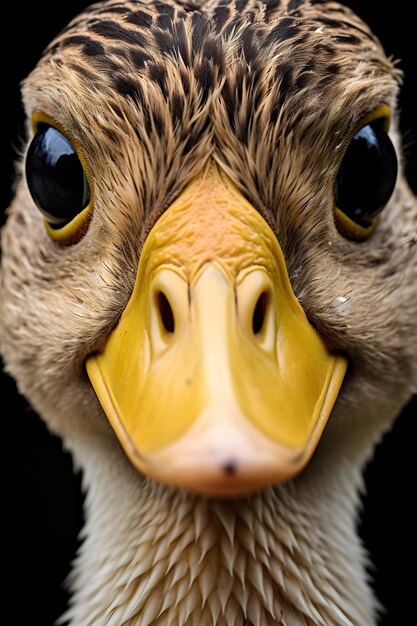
(75,228)
(368,154)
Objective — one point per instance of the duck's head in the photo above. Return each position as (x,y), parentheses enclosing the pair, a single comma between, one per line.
(210,246)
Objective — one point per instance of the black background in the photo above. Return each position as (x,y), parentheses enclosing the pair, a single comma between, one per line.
(42,503)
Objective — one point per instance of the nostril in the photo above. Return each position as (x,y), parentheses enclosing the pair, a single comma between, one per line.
(165,312)
(259,313)
(229,468)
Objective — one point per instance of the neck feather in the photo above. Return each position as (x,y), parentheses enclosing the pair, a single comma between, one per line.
(155,556)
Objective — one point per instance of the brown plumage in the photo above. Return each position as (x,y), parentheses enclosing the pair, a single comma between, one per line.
(270,92)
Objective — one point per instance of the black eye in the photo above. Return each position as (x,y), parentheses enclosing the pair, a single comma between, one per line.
(367,175)
(55,176)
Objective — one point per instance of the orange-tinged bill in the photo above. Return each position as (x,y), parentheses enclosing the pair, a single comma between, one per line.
(214,380)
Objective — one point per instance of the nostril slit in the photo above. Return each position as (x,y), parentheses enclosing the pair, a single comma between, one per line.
(259,313)
(229,468)
(165,312)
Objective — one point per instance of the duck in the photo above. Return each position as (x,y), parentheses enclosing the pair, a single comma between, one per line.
(200,285)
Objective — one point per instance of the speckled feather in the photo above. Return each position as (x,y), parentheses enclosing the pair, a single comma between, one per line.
(272,91)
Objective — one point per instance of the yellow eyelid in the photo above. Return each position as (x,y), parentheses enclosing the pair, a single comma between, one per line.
(75,229)
(383,112)
(347,227)
(351,230)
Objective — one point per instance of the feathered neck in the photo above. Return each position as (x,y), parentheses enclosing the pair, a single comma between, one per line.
(155,556)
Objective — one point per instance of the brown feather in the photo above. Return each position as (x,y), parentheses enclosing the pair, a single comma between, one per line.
(271,91)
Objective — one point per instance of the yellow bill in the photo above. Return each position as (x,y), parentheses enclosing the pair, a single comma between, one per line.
(214,380)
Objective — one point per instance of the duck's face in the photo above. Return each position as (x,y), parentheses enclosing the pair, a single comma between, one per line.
(209,231)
